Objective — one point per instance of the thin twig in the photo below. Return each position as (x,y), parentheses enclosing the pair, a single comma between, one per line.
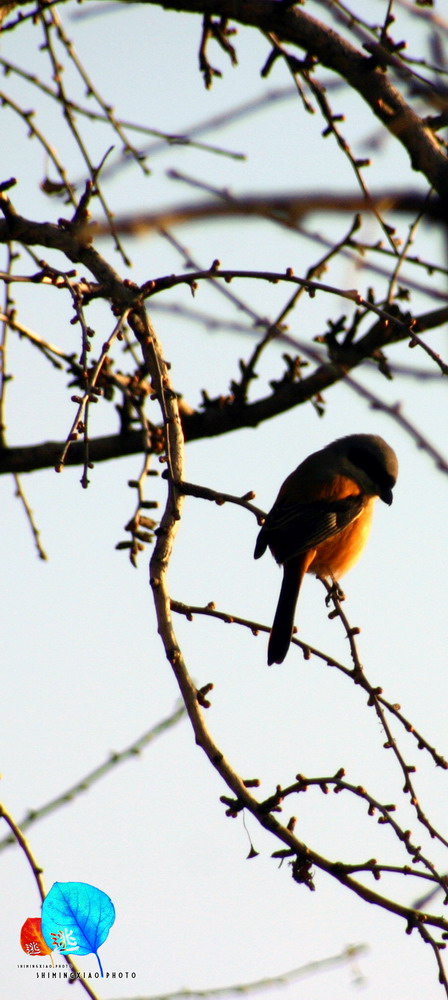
(345,957)
(29,513)
(103,770)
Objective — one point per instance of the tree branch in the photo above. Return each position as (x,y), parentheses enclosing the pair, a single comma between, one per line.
(363,72)
(224,415)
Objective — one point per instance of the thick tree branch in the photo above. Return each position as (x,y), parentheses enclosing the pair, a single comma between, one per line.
(30,458)
(224,415)
(362,72)
(72,242)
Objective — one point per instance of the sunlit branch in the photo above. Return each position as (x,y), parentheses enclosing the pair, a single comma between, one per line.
(364,72)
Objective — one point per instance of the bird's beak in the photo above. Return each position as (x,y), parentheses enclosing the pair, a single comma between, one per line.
(386,497)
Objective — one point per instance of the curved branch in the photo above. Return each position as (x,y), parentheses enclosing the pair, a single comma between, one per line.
(363,72)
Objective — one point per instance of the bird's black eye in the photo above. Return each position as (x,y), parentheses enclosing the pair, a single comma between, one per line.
(374,468)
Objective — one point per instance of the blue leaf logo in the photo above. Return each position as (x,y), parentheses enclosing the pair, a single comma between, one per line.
(76,918)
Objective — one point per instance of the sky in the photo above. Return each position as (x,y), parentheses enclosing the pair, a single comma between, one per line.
(85,673)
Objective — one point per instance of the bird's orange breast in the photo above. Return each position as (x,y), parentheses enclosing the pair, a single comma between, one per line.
(337,554)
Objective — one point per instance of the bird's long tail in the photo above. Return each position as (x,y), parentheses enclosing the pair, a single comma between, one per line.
(283,624)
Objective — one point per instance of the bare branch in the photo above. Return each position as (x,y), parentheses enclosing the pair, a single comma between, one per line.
(364,73)
(85,783)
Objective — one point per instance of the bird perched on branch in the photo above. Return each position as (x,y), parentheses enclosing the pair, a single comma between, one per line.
(321,519)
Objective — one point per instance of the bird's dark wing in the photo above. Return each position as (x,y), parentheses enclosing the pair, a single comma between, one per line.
(292,528)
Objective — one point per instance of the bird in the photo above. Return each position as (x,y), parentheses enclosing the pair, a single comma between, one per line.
(321,519)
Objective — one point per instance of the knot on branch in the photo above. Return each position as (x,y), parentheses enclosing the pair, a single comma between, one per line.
(302,871)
